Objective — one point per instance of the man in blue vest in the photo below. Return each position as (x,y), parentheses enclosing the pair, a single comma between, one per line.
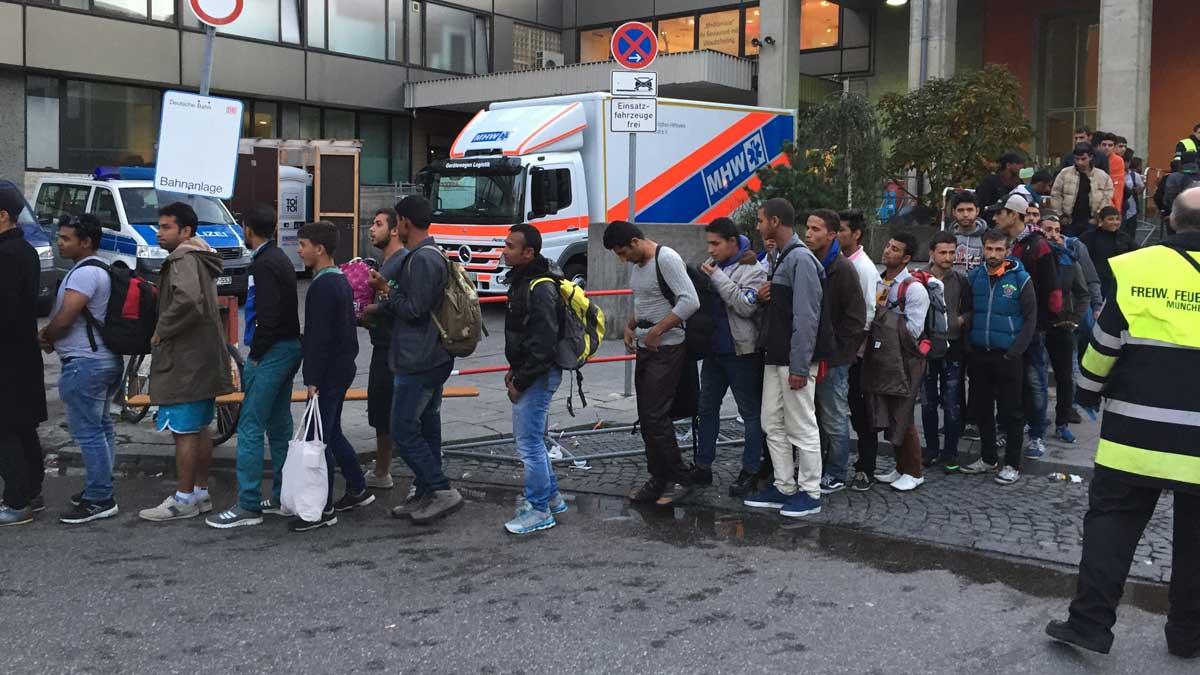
(1003,321)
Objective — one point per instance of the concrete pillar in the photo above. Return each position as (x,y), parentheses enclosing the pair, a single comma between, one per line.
(932,25)
(779,63)
(12,127)
(1124,97)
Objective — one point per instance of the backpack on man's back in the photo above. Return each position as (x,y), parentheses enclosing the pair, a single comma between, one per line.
(457,318)
(132,312)
(935,338)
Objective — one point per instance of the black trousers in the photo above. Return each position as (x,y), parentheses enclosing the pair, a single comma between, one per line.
(860,419)
(21,465)
(656,376)
(996,382)
(1118,511)
(1060,345)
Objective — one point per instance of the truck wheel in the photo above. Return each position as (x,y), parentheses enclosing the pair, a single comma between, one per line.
(576,272)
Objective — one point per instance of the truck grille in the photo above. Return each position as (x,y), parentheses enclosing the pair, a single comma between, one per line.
(230,253)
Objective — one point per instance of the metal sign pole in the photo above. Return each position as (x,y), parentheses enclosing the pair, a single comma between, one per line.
(210,37)
(632,177)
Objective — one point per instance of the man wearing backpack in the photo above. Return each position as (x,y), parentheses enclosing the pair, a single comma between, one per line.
(531,330)
(1060,337)
(90,371)
(420,362)
(944,373)
(190,366)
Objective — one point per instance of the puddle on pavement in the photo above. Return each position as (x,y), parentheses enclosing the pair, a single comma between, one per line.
(703,527)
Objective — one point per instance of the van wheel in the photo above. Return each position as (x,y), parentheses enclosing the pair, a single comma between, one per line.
(576,273)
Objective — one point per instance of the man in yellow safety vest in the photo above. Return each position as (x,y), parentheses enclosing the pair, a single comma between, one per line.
(1144,359)
(1191,143)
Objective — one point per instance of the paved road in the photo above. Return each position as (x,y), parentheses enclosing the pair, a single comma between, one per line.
(612,589)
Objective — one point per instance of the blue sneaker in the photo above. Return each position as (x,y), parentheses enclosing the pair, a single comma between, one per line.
(1064,434)
(529,521)
(1036,449)
(771,498)
(557,504)
(799,505)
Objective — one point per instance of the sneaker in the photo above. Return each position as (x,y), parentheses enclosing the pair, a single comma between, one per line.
(1036,449)
(1063,631)
(1064,434)
(649,492)
(528,521)
(700,475)
(971,431)
(557,504)
(830,485)
(328,519)
(86,512)
(439,505)
(799,505)
(383,482)
(272,508)
(745,484)
(861,482)
(907,483)
(236,516)
(76,499)
(928,462)
(204,504)
(771,498)
(169,509)
(1183,651)
(10,516)
(1001,441)
(889,477)
(411,504)
(977,467)
(1007,476)
(37,504)
(675,493)
(1073,417)
(951,468)
(349,502)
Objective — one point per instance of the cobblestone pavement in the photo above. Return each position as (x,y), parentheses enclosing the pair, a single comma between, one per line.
(1036,518)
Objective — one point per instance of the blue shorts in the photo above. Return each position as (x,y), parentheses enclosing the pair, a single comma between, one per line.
(186,418)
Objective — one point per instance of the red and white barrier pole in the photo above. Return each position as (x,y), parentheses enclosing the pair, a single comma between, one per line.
(502,369)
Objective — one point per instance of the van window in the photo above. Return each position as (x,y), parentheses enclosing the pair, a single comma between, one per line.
(141,207)
(104,207)
(56,201)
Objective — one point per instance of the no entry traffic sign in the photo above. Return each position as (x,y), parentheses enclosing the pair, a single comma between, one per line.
(217,12)
(634,45)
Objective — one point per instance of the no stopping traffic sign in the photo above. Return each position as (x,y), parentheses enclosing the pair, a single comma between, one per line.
(217,12)
(634,45)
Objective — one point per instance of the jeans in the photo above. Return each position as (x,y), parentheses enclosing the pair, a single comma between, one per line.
(942,380)
(337,449)
(833,420)
(86,387)
(417,426)
(1060,347)
(267,408)
(789,419)
(529,433)
(742,374)
(996,383)
(1035,390)
(21,464)
(656,377)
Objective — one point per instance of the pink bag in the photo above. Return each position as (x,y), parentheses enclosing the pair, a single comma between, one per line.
(358,273)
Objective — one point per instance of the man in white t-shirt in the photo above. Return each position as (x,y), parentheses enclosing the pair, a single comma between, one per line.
(90,371)
(850,240)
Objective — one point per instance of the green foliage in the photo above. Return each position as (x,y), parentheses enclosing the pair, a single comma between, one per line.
(803,179)
(951,131)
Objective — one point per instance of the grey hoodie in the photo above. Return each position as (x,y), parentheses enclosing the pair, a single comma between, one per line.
(968,254)
(794,312)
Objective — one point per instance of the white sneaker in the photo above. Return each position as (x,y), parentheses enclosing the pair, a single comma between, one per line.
(906,483)
(380,483)
(170,509)
(978,466)
(1008,476)
(889,477)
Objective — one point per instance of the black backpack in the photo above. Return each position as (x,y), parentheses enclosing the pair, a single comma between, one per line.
(702,326)
(132,312)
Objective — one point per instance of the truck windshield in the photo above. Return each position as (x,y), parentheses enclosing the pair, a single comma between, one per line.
(477,198)
(141,206)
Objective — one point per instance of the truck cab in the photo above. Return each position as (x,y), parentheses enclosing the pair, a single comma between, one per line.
(126,203)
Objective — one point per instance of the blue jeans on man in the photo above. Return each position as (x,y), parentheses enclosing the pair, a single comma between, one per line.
(417,426)
(86,387)
(833,420)
(338,451)
(529,434)
(943,378)
(267,408)
(744,375)
(1036,381)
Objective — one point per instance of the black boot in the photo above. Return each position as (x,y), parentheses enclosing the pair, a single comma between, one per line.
(1063,631)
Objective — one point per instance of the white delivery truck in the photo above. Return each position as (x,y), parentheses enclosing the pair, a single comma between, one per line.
(555,163)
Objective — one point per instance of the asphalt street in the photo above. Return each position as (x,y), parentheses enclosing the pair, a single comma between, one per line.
(611,589)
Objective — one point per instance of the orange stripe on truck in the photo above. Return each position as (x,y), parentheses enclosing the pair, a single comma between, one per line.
(548,226)
(521,148)
(736,198)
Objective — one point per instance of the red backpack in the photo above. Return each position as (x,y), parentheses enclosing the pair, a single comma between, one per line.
(132,312)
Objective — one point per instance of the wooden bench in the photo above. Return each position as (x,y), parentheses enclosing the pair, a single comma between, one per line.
(301,396)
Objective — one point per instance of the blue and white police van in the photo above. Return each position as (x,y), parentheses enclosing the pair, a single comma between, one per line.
(125,201)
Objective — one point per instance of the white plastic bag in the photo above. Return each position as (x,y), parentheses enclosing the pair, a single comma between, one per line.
(305,474)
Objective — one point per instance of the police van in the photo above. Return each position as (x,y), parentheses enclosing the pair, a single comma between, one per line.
(125,201)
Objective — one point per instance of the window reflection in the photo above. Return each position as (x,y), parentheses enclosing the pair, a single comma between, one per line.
(819,23)
(357,27)
(720,31)
(677,35)
(595,45)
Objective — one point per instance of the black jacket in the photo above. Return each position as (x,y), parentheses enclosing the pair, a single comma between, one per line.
(276,302)
(531,323)
(23,396)
(1103,246)
(416,294)
(330,332)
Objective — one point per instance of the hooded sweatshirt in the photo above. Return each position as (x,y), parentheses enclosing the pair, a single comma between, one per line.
(739,315)
(968,254)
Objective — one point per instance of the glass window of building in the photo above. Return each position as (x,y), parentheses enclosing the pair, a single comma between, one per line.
(289,121)
(753,29)
(263,124)
(401,149)
(721,31)
(289,21)
(395,29)
(819,23)
(451,39)
(677,35)
(259,20)
(357,27)
(1070,72)
(130,8)
(416,33)
(528,41)
(314,19)
(483,45)
(373,160)
(163,10)
(41,122)
(108,124)
(310,123)
(339,124)
(595,44)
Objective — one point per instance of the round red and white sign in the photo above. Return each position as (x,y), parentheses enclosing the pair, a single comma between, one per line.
(217,12)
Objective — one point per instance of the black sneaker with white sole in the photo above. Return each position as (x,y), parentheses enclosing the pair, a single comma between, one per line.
(235,516)
(86,512)
(37,504)
(349,502)
(328,519)
(77,498)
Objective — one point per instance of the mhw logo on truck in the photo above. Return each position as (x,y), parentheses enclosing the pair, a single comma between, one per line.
(489,136)
(732,168)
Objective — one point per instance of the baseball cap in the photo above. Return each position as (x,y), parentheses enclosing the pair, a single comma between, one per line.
(1016,202)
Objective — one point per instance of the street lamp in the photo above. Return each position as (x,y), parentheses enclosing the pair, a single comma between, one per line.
(895,3)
